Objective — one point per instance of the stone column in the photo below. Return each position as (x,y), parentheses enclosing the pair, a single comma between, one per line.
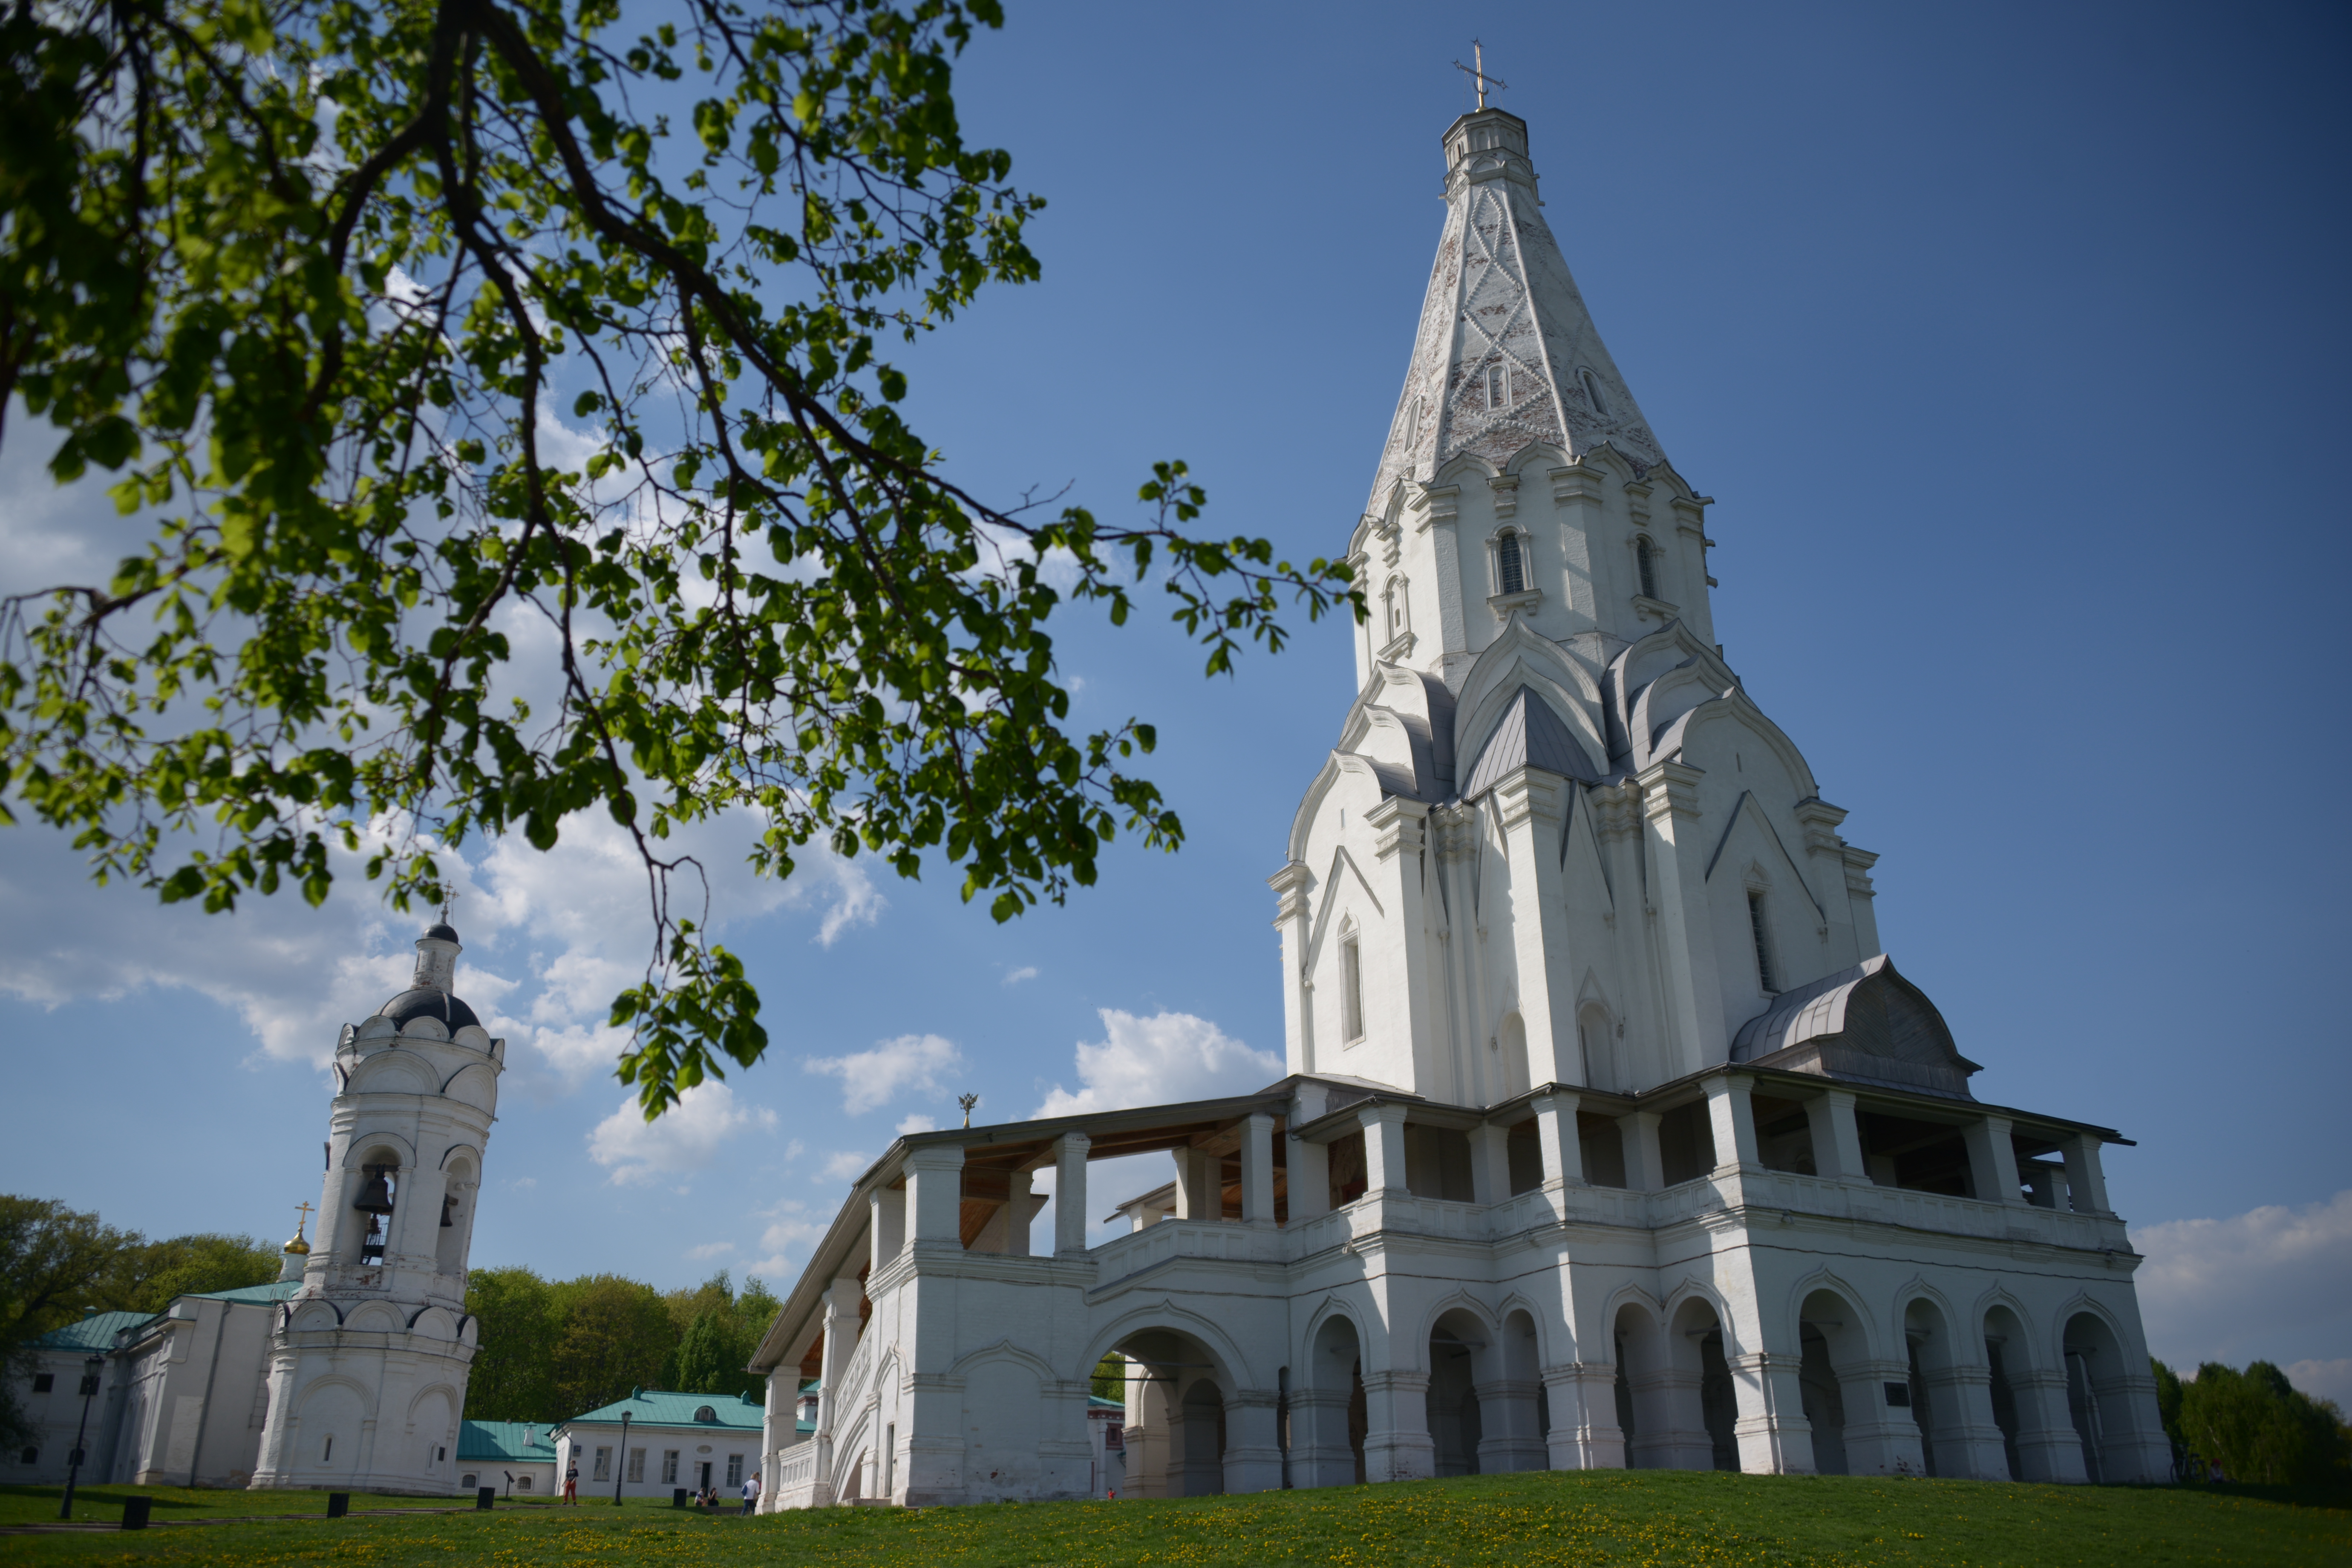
(2085,1185)
(1774,1437)
(1253,1454)
(1310,1178)
(1292,907)
(1490,1162)
(1992,1160)
(1257,1174)
(841,1301)
(1384,1149)
(1199,1195)
(1397,1445)
(887,1220)
(1531,806)
(1732,1114)
(1021,1207)
(779,1430)
(1967,1440)
(1319,1452)
(935,1196)
(1563,1150)
(1837,1136)
(1508,1439)
(2048,1448)
(1881,1439)
(1070,1193)
(1584,1432)
(1638,1130)
(1686,934)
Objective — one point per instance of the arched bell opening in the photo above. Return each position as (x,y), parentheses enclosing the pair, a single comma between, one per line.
(378,1198)
(2005,1351)
(457,1218)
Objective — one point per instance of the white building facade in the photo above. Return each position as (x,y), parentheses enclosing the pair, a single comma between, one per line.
(1612,1136)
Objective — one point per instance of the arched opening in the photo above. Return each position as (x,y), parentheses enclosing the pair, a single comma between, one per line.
(1817,1382)
(1596,1043)
(1938,1401)
(2109,1400)
(1457,1341)
(2004,1340)
(1512,1042)
(1176,1427)
(1514,1409)
(1327,1408)
(457,1218)
(379,1197)
(1593,393)
(1645,563)
(1639,1347)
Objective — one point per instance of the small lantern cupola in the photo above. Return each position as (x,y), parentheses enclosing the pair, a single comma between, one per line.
(436,959)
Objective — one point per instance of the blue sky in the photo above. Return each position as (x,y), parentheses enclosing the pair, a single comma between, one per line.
(2008,337)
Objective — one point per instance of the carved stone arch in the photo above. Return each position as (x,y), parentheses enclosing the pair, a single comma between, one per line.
(1521,656)
(408,1072)
(468,1151)
(2000,1297)
(1005,1349)
(2075,1306)
(365,1142)
(1918,1288)
(449,1392)
(1461,466)
(1542,1316)
(1615,1303)
(487,1078)
(1538,452)
(1165,1314)
(1691,1288)
(339,1380)
(1739,708)
(315,1313)
(1302,823)
(1335,1305)
(1647,658)
(1824,1279)
(1343,868)
(439,1322)
(1452,1302)
(363,1318)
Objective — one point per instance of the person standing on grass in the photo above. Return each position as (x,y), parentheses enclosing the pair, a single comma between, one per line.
(572,1483)
(750,1492)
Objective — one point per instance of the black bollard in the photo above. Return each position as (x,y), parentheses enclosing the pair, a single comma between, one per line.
(134,1511)
(677,1496)
(484,1496)
(338,1504)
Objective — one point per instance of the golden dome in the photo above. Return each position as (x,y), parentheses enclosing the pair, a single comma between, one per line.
(298,1245)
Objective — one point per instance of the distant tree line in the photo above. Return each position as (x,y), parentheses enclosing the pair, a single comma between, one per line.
(2255,1426)
(551,1349)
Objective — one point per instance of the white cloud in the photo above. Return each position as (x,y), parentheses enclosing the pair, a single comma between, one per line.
(709,1249)
(684,1140)
(845,1166)
(917,1122)
(1026,971)
(2324,1380)
(1166,1057)
(2267,1285)
(791,1230)
(874,1078)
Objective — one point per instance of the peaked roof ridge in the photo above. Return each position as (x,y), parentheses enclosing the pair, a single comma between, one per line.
(1529,735)
(1506,354)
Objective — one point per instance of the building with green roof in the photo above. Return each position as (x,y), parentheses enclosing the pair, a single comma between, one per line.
(692,1440)
(516,1456)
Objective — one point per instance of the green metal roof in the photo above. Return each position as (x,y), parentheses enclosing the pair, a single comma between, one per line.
(661,1408)
(478,1441)
(276,1290)
(94,1332)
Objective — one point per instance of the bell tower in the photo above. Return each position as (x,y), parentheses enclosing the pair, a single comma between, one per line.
(369,1357)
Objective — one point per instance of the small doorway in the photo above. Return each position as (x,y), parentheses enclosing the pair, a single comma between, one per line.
(703,1470)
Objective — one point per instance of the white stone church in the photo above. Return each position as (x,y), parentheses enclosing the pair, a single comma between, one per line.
(1611,1136)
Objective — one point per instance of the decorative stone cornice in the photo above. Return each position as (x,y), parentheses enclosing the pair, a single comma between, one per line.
(1657,609)
(1396,824)
(1456,832)
(1438,503)
(1858,863)
(1506,494)
(1527,795)
(1504,603)
(1670,788)
(1616,809)
(1577,485)
(1820,819)
(1637,500)
(1291,885)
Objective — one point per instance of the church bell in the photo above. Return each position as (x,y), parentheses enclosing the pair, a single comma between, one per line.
(376,1193)
(448,1208)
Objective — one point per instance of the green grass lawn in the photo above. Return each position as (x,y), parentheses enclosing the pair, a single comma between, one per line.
(1659,1519)
(39,1505)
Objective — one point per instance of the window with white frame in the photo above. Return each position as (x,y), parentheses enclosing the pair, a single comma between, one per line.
(734,1469)
(1395,611)
(603,1470)
(669,1467)
(636,1465)
(1510,564)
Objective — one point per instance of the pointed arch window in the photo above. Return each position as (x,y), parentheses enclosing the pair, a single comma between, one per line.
(1351,989)
(1759,928)
(1396,608)
(1510,564)
(1593,393)
(1645,561)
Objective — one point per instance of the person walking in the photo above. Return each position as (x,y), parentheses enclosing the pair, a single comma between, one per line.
(750,1492)
(572,1483)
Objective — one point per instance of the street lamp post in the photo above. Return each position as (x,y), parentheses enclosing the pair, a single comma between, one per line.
(93,1370)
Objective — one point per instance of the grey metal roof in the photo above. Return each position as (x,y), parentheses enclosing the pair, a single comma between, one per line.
(1529,735)
(424,1002)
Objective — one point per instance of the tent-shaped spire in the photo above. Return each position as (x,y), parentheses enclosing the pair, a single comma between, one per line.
(1507,353)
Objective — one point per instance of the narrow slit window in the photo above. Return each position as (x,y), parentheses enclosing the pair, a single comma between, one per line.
(1756,926)
(1510,564)
(1498,386)
(1593,394)
(1645,558)
(326,1450)
(1351,990)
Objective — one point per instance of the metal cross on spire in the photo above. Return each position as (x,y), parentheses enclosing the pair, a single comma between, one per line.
(305,1211)
(1478,73)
